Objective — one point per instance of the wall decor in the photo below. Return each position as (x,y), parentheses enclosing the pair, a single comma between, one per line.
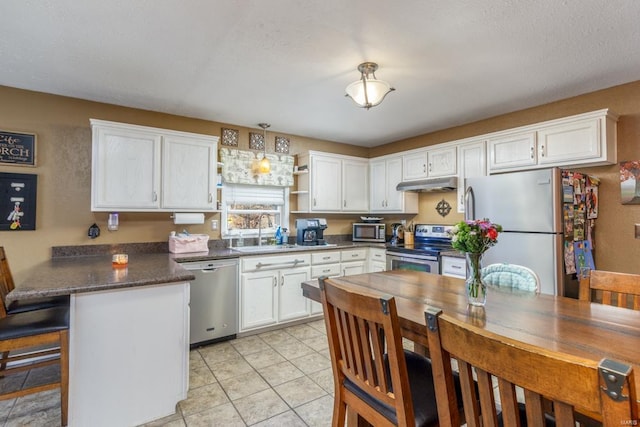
(18,148)
(630,182)
(282,145)
(230,137)
(18,201)
(256,141)
(443,208)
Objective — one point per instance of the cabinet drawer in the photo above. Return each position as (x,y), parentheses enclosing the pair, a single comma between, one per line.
(325,257)
(377,255)
(325,270)
(454,267)
(353,254)
(279,262)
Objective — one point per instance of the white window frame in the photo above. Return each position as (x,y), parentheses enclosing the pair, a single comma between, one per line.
(226,200)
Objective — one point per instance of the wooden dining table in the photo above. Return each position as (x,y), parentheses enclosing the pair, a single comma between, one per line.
(581,328)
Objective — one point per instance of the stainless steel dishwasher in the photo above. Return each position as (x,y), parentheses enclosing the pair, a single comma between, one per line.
(214,300)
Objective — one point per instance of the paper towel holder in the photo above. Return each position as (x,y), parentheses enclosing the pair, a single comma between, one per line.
(187,218)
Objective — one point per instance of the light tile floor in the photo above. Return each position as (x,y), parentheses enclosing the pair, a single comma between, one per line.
(277,378)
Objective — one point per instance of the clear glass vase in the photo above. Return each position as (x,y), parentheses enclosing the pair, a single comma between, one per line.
(476,288)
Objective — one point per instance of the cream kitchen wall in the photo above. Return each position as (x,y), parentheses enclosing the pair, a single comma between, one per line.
(64,172)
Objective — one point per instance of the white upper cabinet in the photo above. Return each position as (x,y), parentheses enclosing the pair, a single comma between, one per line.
(429,163)
(471,163)
(441,162)
(335,183)
(414,165)
(386,174)
(138,168)
(584,139)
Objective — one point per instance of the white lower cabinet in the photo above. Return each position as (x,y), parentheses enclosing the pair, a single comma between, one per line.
(323,263)
(270,291)
(454,267)
(377,260)
(353,261)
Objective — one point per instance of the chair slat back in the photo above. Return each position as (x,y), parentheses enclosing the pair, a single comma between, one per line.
(6,282)
(570,383)
(362,329)
(611,288)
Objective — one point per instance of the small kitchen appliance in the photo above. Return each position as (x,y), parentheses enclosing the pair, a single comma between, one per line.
(369,232)
(309,231)
(397,234)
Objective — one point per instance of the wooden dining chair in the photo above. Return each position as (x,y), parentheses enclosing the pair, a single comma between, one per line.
(572,384)
(35,339)
(611,288)
(375,378)
(18,306)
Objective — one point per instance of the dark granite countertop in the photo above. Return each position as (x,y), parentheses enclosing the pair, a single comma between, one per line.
(69,275)
(64,275)
(455,254)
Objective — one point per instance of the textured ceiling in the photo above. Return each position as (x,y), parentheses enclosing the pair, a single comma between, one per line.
(287,62)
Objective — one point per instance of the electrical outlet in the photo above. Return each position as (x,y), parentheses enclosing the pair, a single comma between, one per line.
(403,221)
(637,231)
(214,224)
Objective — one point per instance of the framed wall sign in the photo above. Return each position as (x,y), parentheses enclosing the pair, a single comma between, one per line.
(18,148)
(18,201)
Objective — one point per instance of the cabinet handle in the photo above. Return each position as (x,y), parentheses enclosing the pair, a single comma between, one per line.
(354,255)
(282,280)
(326,257)
(326,270)
(429,167)
(155,196)
(424,168)
(210,197)
(532,151)
(275,281)
(314,201)
(542,151)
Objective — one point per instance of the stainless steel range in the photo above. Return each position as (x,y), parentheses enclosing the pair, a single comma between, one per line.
(430,240)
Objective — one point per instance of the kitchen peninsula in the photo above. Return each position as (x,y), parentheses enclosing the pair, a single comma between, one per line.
(129,329)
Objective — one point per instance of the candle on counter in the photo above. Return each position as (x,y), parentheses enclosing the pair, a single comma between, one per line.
(120,260)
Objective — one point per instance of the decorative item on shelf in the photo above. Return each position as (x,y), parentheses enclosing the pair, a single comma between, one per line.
(474,238)
(443,208)
(368,91)
(256,141)
(282,145)
(230,137)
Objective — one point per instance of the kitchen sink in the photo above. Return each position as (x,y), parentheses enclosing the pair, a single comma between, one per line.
(277,248)
(264,248)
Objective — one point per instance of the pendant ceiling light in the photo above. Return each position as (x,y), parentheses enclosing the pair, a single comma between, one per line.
(368,91)
(264,166)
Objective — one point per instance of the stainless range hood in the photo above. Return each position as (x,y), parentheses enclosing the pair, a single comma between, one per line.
(429,185)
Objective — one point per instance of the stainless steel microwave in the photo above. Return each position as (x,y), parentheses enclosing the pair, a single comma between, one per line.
(368,232)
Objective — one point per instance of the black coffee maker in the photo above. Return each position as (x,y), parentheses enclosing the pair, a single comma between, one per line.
(309,231)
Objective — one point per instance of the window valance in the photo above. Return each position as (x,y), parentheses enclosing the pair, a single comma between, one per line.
(239,167)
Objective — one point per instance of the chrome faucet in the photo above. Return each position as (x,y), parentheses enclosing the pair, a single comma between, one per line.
(260,228)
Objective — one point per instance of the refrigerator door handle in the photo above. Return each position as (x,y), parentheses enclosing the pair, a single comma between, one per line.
(469,204)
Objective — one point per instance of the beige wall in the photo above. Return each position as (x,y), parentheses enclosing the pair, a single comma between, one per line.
(64,172)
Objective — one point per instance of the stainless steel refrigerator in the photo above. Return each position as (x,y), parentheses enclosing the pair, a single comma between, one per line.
(529,206)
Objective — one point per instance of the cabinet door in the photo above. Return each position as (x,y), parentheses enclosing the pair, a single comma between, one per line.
(188,171)
(414,166)
(326,183)
(378,174)
(441,162)
(512,151)
(569,142)
(258,301)
(355,186)
(125,169)
(351,268)
(377,267)
(291,303)
(393,178)
(471,163)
